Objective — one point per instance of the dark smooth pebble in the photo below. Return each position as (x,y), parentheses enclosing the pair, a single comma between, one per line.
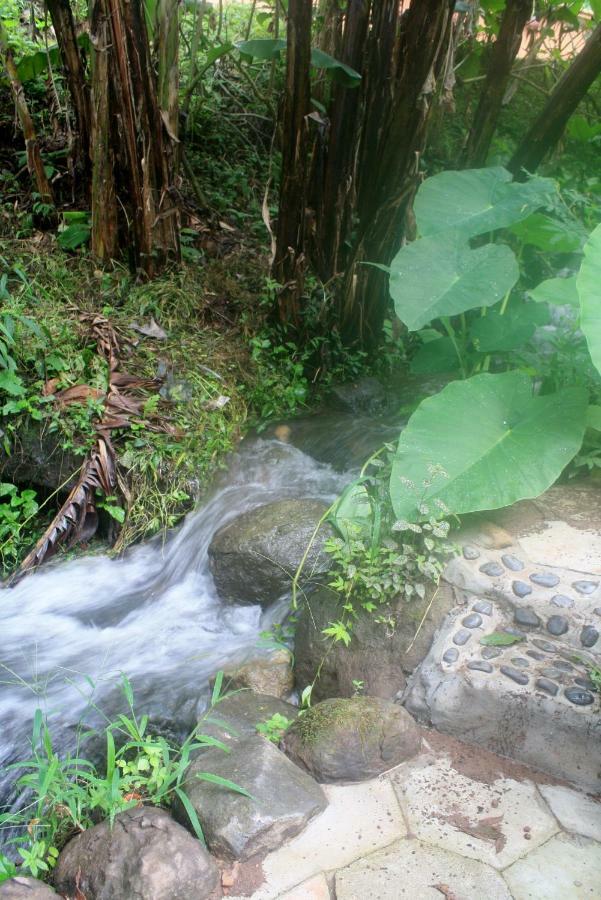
(562,601)
(470,552)
(520,662)
(557,625)
(515,631)
(512,562)
(484,607)
(521,589)
(548,686)
(552,672)
(579,697)
(544,645)
(526,617)
(461,637)
(480,665)
(597,610)
(535,654)
(564,665)
(472,621)
(451,655)
(586,683)
(515,674)
(491,652)
(492,568)
(589,636)
(585,587)
(544,579)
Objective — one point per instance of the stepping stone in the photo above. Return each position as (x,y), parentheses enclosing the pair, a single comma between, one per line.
(461,637)
(548,686)
(588,636)
(568,867)
(515,675)
(484,607)
(492,568)
(585,587)
(406,870)
(575,812)
(451,655)
(526,617)
(480,665)
(470,552)
(557,625)
(474,620)
(562,601)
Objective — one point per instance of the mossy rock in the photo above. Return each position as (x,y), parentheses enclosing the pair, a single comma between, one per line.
(353,739)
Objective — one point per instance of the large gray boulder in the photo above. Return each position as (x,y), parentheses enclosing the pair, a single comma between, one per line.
(145,856)
(255,557)
(283,798)
(24,888)
(238,714)
(351,740)
(381,653)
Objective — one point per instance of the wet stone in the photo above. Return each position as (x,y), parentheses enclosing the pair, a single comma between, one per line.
(586,683)
(526,617)
(562,601)
(484,607)
(520,662)
(548,686)
(451,655)
(470,552)
(588,636)
(535,654)
(557,625)
(544,645)
(579,697)
(461,637)
(521,589)
(472,621)
(515,674)
(552,672)
(479,665)
(585,587)
(544,579)
(492,568)
(516,632)
(512,562)
(491,652)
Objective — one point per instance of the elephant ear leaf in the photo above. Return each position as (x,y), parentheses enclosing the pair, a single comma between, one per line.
(484,443)
(477,201)
(588,284)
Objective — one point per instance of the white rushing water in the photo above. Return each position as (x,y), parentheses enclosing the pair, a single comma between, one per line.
(67,632)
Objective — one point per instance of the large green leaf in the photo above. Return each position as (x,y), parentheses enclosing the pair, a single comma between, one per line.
(442,276)
(557,291)
(477,201)
(497,333)
(436,356)
(485,443)
(589,291)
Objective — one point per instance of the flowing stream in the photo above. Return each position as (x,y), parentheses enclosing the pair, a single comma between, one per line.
(67,632)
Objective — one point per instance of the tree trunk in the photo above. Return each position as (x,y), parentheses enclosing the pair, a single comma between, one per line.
(168,70)
(549,126)
(289,263)
(502,58)
(133,131)
(104,237)
(35,164)
(66,36)
(391,163)
(333,186)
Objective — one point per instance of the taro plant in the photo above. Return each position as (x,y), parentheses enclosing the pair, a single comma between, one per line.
(497,435)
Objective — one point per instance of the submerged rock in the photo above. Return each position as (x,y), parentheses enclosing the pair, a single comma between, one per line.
(381,653)
(22,888)
(283,798)
(351,740)
(146,854)
(255,557)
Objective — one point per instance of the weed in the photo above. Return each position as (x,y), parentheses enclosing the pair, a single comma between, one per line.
(274,727)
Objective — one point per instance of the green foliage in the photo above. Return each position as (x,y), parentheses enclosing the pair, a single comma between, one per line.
(274,727)
(17,509)
(589,291)
(271,48)
(515,447)
(68,794)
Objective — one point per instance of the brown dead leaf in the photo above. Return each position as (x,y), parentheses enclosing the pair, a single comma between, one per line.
(77,394)
(446,891)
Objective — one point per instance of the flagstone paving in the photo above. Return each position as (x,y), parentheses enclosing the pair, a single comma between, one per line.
(454,823)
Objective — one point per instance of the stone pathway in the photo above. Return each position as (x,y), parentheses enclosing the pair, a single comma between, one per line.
(454,823)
